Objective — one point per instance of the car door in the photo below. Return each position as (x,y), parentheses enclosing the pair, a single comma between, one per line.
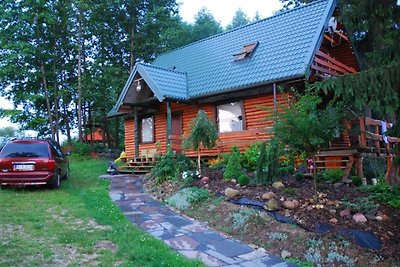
(60,158)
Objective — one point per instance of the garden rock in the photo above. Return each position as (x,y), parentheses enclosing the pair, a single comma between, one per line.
(278,185)
(268,196)
(272,205)
(285,254)
(383,216)
(231,193)
(345,213)
(205,179)
(333,220)
(291,204)
(360,218)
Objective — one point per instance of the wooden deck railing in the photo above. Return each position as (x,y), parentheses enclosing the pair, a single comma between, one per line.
(371,133)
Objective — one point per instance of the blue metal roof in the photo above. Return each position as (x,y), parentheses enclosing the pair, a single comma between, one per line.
(286,46)
(170,83)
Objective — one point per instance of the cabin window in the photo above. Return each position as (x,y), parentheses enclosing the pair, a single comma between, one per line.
(230,117)
(147,130)
(246,52)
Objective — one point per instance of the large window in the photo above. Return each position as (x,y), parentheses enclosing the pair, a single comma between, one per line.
(230,117)
(147,130)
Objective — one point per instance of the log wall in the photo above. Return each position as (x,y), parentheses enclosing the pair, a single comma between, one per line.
(256,127)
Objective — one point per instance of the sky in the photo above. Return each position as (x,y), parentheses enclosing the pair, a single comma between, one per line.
(222,10)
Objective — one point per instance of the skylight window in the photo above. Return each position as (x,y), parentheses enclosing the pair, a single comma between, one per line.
(246,52)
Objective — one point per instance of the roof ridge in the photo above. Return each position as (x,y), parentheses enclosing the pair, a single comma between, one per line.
(241,27)
(161,68)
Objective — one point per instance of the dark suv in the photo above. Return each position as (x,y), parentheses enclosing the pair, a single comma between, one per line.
(33,162)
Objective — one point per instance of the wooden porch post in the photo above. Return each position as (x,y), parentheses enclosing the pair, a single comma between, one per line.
(136,119)
(363,139)
(275,105)
(169,123)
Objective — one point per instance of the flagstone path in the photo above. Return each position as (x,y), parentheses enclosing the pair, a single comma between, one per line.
(183,234)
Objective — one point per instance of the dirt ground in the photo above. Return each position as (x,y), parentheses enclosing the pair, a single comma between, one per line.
(301,240)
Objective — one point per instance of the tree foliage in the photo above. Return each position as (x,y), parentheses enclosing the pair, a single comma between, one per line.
(204,134)
(240,19)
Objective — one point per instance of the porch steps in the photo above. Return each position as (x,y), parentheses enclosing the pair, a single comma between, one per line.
(336,159)
(141,165)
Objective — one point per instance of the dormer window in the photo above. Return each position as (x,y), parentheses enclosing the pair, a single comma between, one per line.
(246,52)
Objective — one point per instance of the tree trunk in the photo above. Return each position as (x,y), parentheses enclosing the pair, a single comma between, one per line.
(56,106)
(107,131)
(44,82)
(198,160)
(80,137)
(46,93)
(131,45)
(66,121)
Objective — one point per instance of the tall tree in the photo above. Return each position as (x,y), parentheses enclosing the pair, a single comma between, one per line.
(240,19)
(205,25)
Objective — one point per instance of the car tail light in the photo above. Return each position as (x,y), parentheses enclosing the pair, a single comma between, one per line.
(51,165)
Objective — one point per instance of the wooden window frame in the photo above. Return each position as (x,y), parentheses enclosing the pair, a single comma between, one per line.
(216,117)
(141,130)
(247,51)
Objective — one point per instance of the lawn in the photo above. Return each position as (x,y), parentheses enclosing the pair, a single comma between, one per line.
(76,225)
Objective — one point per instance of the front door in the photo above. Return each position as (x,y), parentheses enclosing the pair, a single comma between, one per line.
(177,133)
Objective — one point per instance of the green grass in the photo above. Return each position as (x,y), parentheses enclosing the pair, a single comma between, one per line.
(40,227)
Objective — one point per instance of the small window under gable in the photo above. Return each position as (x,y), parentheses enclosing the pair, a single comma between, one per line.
(246,52)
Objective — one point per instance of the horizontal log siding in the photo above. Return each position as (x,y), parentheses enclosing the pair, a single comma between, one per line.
(255,122)
(130,138)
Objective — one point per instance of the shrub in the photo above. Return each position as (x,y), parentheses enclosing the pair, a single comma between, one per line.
(333,176)
(268,163)
(356,181)
(184,163)
(243,179)
(241,217)
(186,197)
(166,167)
(374,167)
(250,157)
(361,204)
(233,169)
(299,176)
(220,162)
(384,193)
(80,149)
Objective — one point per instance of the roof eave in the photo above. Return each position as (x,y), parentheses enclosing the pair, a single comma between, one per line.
(233,89)
(318,39)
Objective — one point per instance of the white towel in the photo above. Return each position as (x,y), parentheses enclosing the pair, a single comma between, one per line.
(384,129)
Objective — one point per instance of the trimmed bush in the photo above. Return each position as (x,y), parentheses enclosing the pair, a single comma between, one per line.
(234,168)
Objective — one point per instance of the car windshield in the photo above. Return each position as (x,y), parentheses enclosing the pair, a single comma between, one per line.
(23,150)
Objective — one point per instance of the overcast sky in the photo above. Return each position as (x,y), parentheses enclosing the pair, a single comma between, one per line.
(222,10)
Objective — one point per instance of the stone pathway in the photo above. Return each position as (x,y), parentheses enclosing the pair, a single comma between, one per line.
(185,235)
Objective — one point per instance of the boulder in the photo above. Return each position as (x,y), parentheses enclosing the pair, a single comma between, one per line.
(285,254)
(382,215)
(333,220)
(268,196)
(332,211)
(231,193)
(291,204)
(345,213)
(205,179)
(278,185)
(359,218)
(272,205)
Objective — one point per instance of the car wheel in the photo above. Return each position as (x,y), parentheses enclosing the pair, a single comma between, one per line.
(56,183)
(66,176)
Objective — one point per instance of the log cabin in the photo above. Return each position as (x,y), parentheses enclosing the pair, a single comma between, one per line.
(232,74)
